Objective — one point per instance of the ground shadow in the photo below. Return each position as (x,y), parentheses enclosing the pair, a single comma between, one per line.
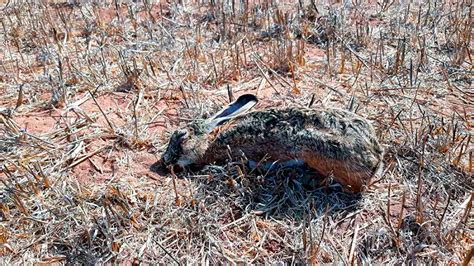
(288,192)
(159,168)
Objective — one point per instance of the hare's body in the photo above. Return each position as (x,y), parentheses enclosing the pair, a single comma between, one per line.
(331,141)
(334,142)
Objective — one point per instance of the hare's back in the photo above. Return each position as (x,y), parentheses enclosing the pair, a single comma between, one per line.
(333,141)
(332,132)
(336,122)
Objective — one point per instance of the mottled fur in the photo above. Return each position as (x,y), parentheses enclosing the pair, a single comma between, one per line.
(332,141)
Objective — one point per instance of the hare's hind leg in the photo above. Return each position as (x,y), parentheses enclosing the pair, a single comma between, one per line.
(275,165)
(292,163)
(351,176)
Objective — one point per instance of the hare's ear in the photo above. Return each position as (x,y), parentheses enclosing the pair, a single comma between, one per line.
(240,106)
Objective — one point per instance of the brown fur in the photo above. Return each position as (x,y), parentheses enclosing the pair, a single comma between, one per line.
(334,142)
(331,141)
(353,178)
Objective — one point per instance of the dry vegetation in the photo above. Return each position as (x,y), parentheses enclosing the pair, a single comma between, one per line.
(90,91)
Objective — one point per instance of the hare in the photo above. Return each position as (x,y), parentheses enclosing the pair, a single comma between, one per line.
(331,141)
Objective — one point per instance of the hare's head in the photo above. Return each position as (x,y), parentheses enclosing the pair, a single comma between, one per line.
(187,145)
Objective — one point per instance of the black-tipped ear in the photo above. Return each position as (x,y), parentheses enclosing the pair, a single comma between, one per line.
(240,106)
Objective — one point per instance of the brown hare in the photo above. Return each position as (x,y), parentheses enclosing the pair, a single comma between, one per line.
(331,141)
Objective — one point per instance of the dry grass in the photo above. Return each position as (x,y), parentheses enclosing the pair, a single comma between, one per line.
(90,93)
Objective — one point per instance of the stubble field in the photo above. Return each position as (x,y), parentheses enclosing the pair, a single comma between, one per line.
(91,90)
